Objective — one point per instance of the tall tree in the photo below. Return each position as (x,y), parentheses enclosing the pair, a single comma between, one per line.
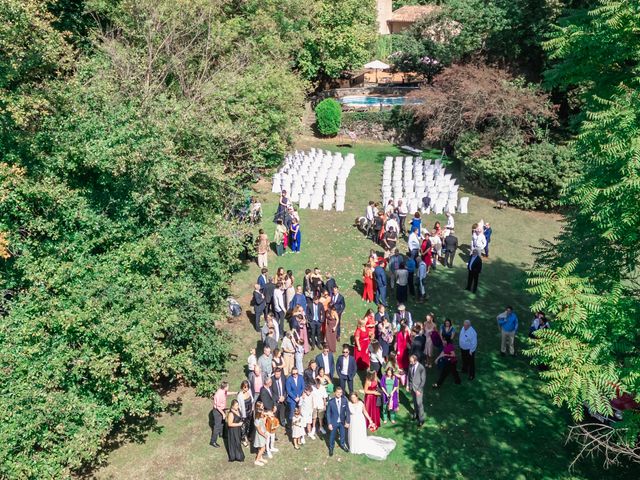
(588,279)
(342,37)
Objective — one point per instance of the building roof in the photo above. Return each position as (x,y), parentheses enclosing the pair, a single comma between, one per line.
(412,13)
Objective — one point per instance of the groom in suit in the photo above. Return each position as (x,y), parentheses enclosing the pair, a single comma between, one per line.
(338,418)
(415,385)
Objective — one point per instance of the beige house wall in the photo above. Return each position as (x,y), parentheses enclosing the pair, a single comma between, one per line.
(385,11)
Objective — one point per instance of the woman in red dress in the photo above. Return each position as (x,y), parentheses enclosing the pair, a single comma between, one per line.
(367,279)
(371,395)
(361,351)
(403,344)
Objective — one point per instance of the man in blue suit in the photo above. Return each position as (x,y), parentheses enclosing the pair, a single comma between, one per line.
(346,369)
(295,387)
(381,285)
(262,279)
(325,360)
(338,418)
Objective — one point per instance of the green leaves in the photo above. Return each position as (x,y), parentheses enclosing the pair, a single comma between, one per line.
(342,37)
(328,117)
(118,209)
(589,279)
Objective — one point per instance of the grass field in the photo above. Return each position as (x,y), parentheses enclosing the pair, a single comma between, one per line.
(499,426)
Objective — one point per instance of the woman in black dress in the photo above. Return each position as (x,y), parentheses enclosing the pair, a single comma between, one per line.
(234,433)
(245,407)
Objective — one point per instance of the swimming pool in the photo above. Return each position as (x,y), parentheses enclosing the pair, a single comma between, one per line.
(376,100)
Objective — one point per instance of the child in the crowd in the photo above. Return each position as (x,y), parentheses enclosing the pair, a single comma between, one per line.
(297,428)
(252,360)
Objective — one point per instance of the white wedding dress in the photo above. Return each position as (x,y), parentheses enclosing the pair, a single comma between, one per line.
(376,448)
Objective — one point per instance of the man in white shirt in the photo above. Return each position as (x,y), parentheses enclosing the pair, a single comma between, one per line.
(391,222)
(279,307)
(450,221)
(468,344)
(414,243)
(402,215)
(319,403)
(369,214)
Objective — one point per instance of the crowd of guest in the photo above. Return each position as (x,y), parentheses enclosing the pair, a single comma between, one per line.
(290,393)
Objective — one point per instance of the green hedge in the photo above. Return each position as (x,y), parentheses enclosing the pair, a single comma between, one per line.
(329,117)
(527,176)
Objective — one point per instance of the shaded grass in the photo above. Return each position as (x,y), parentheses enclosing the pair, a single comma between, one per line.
(499,426)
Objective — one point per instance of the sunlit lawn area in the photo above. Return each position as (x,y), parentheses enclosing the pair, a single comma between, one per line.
(499,426)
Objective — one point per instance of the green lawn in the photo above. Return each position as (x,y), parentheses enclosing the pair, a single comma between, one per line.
(499,426)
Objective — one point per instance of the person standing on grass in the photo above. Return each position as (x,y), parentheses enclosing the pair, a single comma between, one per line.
(402,282)
(265,362)
(234,434)
(402,216)
(487,235)
(262,247)
(389,387)
(319,398)
(260,439)
(380,277)
(394,263)
(217,413)
(295,387)
(367,281)
(508,325)
(417,377)
(421,280)
(337,300)
(279,392)
(259,306)
(468,342)
(474,267)
(325,360)
(315,317)
(411,266)
(414,243)
(450,245)
(338,418)
(296,236)
(346,369)
(279,237)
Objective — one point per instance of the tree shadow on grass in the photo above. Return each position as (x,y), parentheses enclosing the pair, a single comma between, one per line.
(500,425)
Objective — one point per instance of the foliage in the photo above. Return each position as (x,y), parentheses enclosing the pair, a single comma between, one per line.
(468,98)
(595,295)
(329,117)
(33,51)
(118,238)
(595,49)
(504,31)
(343,37)
(527,176)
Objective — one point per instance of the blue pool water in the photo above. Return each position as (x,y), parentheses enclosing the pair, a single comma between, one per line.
(376,100)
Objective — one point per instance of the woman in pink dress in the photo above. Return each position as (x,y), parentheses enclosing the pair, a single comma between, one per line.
(302,327)
(361,337)
(371,395)
(403,344)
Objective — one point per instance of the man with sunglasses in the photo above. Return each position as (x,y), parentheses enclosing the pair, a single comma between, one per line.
(346,369)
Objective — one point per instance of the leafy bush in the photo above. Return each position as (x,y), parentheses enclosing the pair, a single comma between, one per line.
(528,176)
(329,117)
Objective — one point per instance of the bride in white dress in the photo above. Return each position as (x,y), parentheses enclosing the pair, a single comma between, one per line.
(376,448)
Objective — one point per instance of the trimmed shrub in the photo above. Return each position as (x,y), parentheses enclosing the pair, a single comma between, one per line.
(528,176)
(329,117)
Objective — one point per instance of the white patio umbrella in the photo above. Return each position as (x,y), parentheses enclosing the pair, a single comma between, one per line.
(376,65)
